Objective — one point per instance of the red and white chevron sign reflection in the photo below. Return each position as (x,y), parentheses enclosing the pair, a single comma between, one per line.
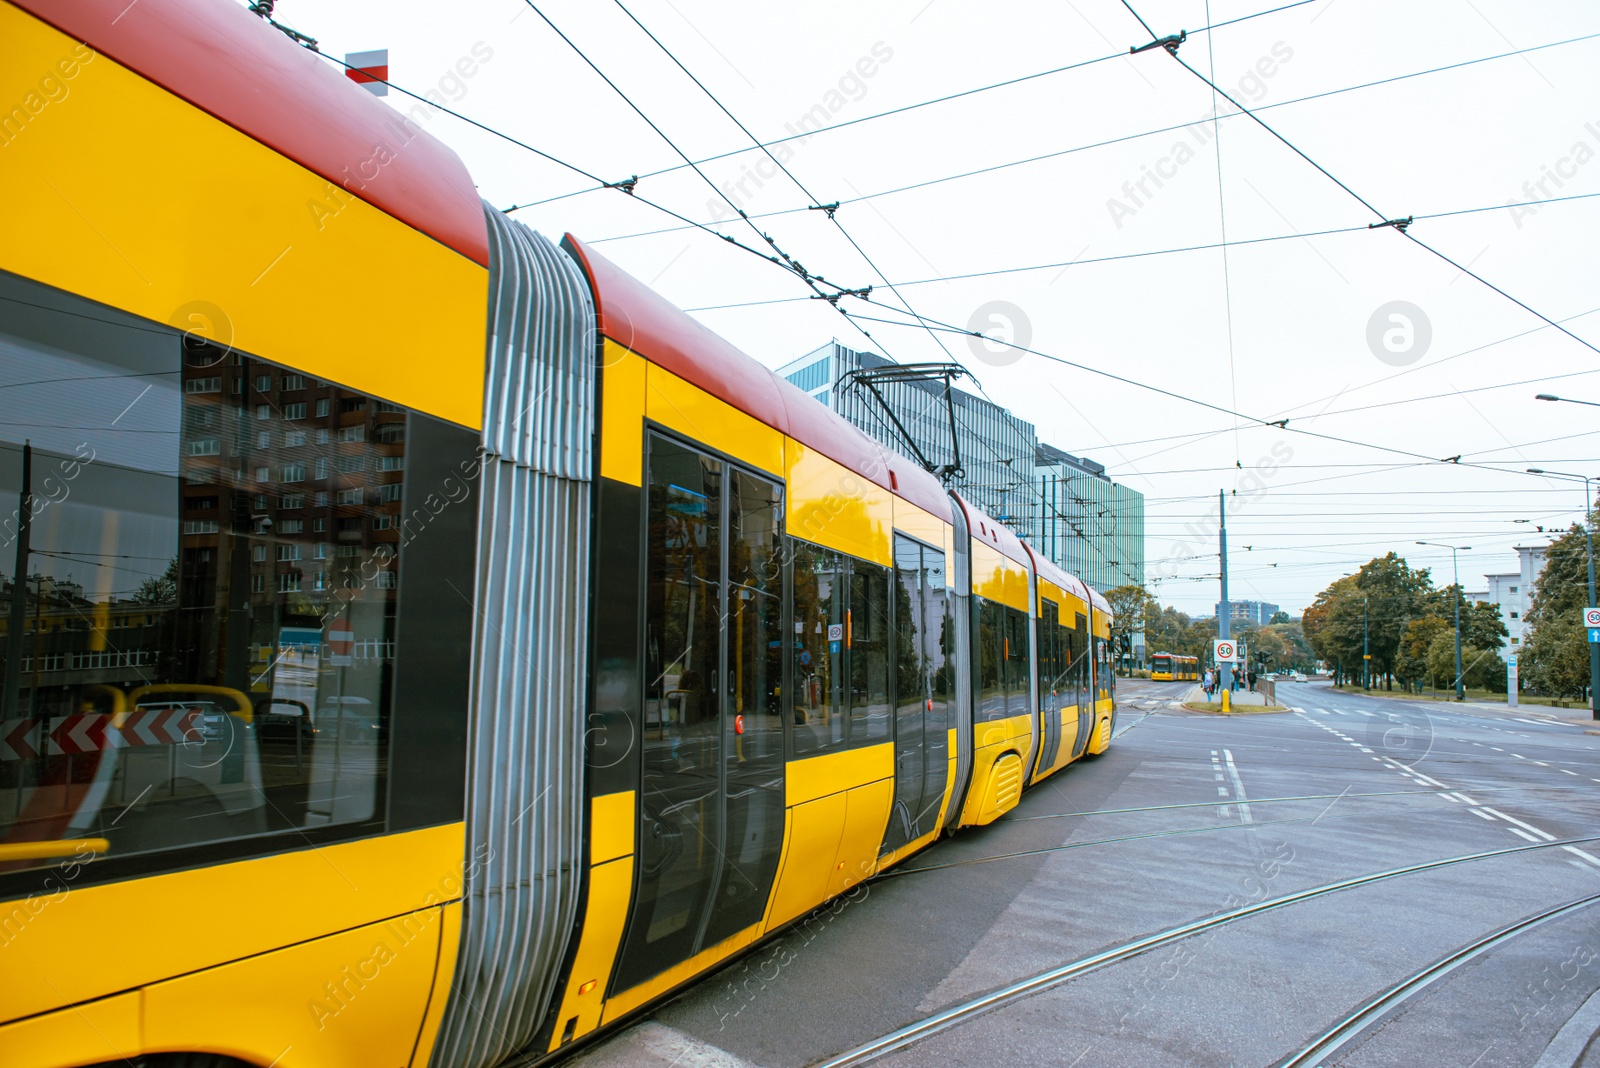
(90,732)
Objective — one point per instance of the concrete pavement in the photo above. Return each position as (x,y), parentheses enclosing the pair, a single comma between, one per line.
(1186,816)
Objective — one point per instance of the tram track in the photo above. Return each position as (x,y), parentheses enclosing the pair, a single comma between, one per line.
(959,1014)
(1118,839)
(1386,1003)
(1010,819)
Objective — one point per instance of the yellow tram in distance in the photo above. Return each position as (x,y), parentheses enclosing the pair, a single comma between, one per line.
(1174,667)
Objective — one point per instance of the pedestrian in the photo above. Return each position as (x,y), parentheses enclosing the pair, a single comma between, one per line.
(1250,676)
(1234,683)
(1207,683)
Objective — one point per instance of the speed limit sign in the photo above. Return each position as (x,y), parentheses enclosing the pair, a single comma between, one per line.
(1224,651)
(1591,617)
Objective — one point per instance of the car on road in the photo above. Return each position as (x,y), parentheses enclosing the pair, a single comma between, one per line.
(1299,677)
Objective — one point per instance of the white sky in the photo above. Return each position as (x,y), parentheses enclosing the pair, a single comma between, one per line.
(1468,138)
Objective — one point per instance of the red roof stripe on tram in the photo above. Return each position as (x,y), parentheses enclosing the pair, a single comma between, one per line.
(226,61)
(996,534)
(642,321)
(1046,569)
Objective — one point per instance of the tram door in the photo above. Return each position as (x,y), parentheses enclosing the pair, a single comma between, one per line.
(1083,681)
(711,791)
(924,685)
(1051,699)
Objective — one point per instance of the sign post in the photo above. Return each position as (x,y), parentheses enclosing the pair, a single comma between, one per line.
(1511,680)
(341,646)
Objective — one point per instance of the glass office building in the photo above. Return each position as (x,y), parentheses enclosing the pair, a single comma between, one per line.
(1067,507)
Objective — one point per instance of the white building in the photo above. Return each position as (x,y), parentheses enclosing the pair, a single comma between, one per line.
(1512,590)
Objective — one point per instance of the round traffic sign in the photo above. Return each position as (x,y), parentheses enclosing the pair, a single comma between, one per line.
(1224,651)
(1591,617)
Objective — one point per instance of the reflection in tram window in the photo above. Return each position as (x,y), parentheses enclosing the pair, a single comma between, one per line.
(841,657)
(711,808)
(989,639)
(170,683)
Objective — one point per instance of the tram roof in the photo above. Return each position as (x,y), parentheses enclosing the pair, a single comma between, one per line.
(643,321)
(232,64)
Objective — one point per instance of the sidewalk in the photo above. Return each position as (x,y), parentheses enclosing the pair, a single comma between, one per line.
(1575,716)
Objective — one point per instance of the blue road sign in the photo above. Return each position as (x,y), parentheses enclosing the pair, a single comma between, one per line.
(1594,635)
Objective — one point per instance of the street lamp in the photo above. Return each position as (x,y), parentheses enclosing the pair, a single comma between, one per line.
(1569,400)
(1588,533)
(1456,576)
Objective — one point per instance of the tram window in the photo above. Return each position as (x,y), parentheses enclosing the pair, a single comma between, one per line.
(166,589)
(683,622)
(988,649)
(1049,653)
(752,749)
(867,631)
(1078,669)
(841,651)
(819,722)
(1017,655)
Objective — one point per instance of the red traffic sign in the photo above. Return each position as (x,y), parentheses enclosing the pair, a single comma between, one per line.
(1225,650)
(341,643)
(1591,617)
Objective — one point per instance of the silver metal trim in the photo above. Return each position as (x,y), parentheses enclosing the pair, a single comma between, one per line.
(529,683)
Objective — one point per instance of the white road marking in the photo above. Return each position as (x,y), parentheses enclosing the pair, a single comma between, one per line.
(1364,712)
(1524,834)
(1465,798)
(1564,771)
(1222,791)
(1586,856)
(1447,796)
(1526,826)
(1238,786)
(1481,812)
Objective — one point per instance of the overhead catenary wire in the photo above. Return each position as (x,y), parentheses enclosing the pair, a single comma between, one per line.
(1174,250)
(944,98)
(779,256)
(812,197)
(1123,139)
(1395,222)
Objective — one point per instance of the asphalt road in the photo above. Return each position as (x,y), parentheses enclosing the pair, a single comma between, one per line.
(1188,816)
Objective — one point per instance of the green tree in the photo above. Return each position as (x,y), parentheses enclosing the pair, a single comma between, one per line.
(1555,657)
(160,590)
(1131,610)
(1480,668)
(1380,599)
(1280,616)
(1412,664)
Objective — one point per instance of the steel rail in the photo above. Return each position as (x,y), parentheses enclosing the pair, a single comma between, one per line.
(968,1010)
(1374,1010)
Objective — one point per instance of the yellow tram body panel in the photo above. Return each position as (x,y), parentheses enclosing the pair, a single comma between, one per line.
(369,953)
(131,242)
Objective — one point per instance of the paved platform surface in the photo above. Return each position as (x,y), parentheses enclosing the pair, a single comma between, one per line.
(1186,816)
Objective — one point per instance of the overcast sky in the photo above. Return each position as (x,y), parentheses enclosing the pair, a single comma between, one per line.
(1306,509)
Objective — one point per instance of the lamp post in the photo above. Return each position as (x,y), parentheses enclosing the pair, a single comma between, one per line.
(1455,575)
(1366,658)
(1588,534)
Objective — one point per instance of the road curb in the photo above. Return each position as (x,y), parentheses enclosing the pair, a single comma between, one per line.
(1570,1043)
